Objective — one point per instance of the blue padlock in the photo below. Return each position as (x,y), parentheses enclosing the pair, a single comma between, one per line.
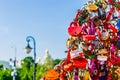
(118,33)
(118,24)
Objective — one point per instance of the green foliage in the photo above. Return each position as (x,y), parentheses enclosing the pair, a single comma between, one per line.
(1,66)
(5,74)
(56,61)
(27,62)
(41,69)
(26,71)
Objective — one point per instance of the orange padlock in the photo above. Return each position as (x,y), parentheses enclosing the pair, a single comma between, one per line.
(74,29)
(92,7)
(68,66)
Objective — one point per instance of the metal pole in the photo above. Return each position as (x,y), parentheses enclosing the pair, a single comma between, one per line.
(34,43)
(14,68)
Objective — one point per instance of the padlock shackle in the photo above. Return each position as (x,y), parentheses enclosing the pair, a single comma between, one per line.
(75,23)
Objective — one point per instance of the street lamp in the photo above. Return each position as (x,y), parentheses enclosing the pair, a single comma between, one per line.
(28,50)
(14,73)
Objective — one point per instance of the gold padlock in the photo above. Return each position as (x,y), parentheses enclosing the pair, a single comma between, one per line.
(72,42)
(92,7)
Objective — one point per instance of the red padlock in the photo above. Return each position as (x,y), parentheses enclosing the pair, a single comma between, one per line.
(114,29)
(118,8)
(114,36)
(109,15)
(68,66)
(80,63)
(98,32)
(88,37)
(74,29)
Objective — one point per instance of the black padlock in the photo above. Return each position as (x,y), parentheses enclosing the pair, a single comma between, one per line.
(101,13)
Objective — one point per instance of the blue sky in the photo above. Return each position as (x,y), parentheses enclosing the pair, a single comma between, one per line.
(46,20)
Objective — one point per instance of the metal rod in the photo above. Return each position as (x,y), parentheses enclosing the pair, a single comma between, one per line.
(34,43)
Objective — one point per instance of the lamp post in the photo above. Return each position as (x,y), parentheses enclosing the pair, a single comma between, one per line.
(28,50)
(14,73)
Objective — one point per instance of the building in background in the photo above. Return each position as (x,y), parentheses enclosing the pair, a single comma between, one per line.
(48,61)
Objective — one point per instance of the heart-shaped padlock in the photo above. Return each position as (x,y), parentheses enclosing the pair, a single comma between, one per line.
(74,29)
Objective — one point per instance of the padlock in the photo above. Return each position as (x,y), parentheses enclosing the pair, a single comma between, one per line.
(101,13)
(89,31)
(84,46)
(96,43)
(113,36)
(118,33)
(111,1)
(117,5)
(80,63)
(104,35)
(118,43)
(88,37)
(76,73)
(103,72)
(71,42)
(74,29)
(118,69)
(87,75)
(92,7)
(113,28)
(96,21)
(68,66)
(76,54)
(83,17)
(118,24)
(104,4)
(92,29)
(101,55)
(118,53)
(115,14)
(98,32)
(92,14)
(109,15)
(84,14)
